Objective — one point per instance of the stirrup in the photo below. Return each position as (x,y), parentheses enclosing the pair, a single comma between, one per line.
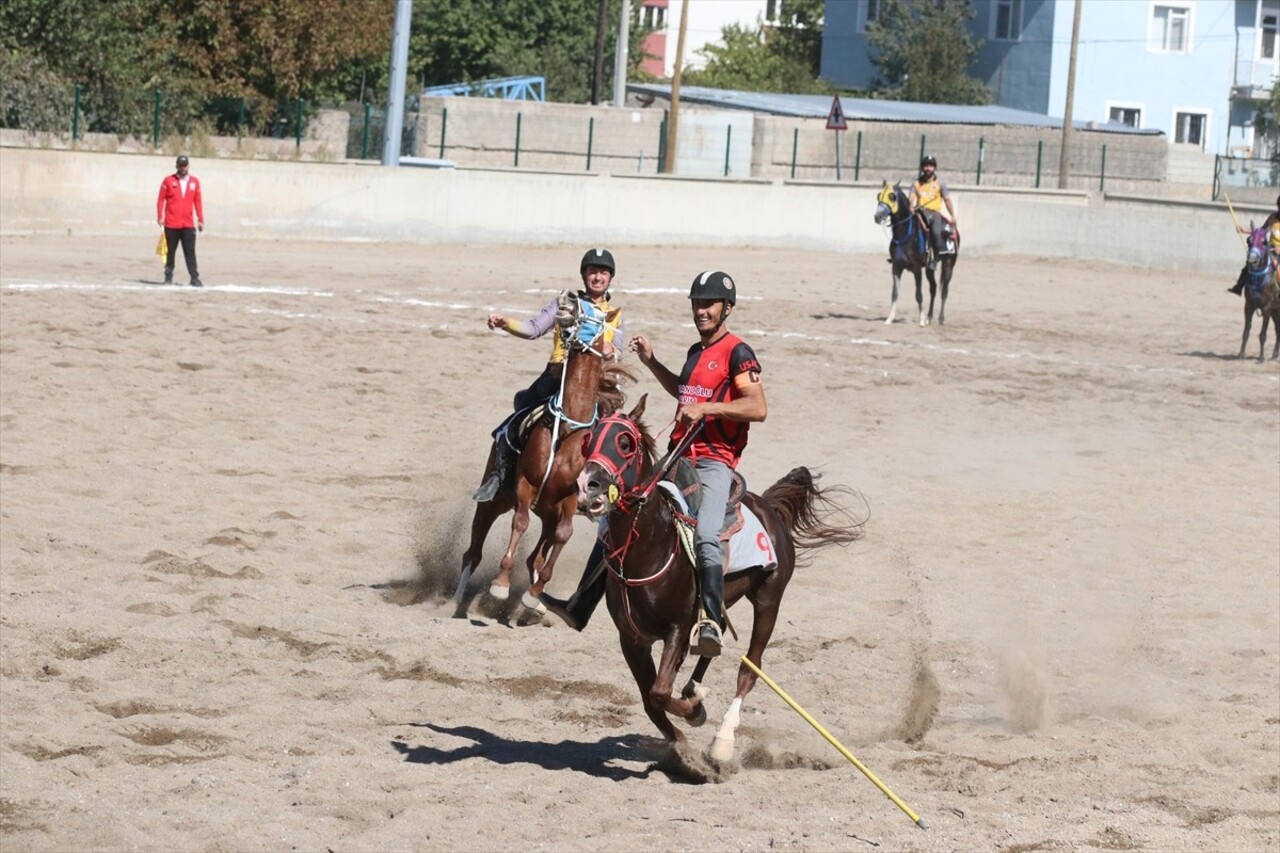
(705,640)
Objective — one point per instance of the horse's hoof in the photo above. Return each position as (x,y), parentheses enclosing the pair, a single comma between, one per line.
(532,602)
(502,593)
(699,715)
(722,748)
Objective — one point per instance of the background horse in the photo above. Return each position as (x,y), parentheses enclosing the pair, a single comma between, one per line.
(545,475)
(651,587)
(910,250)
(1260,280)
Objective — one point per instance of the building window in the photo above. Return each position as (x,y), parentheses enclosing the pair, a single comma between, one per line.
(1130,116)
(653,17)
(1007,21)
(1190,128)
(771,11)
(1170,29)
(1268,18)
(870,13)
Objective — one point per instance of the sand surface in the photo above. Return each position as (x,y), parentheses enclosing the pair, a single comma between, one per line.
(227,518)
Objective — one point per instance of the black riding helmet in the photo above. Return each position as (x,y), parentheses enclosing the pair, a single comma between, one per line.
(598,258)
(714,285)
(928,160)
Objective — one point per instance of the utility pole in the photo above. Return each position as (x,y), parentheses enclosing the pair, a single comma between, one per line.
(620,56)
(395,89)
(1064,164)
(597,72)
(673,116)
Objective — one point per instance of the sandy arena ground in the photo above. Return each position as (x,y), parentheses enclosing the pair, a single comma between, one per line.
(228,516)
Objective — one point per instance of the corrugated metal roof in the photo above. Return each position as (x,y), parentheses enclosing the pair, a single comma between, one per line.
(864,109)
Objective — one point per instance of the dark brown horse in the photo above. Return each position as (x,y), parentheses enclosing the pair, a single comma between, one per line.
(1260,284)
(910,249)
(651,588)
(544,478)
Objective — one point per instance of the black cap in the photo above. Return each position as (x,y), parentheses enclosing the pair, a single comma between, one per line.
(714,284)
(182,160)
(598,258)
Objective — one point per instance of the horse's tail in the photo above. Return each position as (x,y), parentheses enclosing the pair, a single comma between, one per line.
(813,515)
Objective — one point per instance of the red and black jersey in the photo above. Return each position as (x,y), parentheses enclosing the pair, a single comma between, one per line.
(707,377)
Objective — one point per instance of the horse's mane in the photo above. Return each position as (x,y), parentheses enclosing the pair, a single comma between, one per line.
(609,393)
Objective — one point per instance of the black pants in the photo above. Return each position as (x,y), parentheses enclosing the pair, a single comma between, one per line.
(188,238)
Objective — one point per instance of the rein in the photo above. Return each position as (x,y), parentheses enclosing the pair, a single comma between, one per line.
(556,407)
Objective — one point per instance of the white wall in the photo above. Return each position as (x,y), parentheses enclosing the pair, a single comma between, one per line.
(99,193)
(707,18)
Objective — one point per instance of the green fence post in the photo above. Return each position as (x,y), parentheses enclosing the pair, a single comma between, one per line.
(981,152)
(857,160)
(837,133)
(1217,173)
(155,122)
(662,146)
(728,140)
(1102,177)
(1039,157)
(922,146)
(364,140)
(444,122)
(795,141)
(518,117)
(591,136)
(75,116)
(297,130)
(240,123)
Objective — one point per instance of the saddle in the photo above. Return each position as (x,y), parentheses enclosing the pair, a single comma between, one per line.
(685,478)
(516,428)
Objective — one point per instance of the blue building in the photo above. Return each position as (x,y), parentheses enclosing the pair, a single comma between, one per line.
(1193,69)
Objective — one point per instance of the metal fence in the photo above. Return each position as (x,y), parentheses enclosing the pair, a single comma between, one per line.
(1246,179)
(153,114)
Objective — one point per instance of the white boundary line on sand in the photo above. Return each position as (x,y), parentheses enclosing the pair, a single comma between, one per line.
(416,302)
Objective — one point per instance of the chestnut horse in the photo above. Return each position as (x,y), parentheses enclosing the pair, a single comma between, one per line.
(544,480)
(651,586)
(910,249)
(1260,285)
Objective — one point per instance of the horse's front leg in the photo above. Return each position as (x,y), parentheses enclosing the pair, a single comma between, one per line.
(639,659)
(556,530)
(893,304)
(920,297)
(1248,324)
(1262,336)
(1275,326)
(675,646)
(933,291)
(500,588)
(948,267)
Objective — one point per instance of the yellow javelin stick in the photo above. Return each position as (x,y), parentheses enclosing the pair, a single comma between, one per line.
(831,740)
(1236,221)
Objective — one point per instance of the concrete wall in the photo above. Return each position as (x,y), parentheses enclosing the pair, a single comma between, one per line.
(56,191)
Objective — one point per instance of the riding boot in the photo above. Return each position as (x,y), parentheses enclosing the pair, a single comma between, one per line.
(503,463)
(707,639)
(576,612)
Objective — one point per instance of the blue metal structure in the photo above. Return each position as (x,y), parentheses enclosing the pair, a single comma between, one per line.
(507,88)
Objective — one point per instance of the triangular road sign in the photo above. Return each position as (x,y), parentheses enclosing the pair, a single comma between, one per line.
(835,118)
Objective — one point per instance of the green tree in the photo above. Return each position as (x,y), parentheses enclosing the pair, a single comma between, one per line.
(924,51)
(780,57)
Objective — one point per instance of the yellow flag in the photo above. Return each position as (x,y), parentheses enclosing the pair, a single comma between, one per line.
(162,248)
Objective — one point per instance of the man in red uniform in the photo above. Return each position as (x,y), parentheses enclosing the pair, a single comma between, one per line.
(180,211)
(719,387)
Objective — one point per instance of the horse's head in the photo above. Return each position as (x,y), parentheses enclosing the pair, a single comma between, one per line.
(1258,255)
(615,450)
(583,325)
(890,201)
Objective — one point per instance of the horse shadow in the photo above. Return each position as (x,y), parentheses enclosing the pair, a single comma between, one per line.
(1211,356)
(838,315)
(592,759)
